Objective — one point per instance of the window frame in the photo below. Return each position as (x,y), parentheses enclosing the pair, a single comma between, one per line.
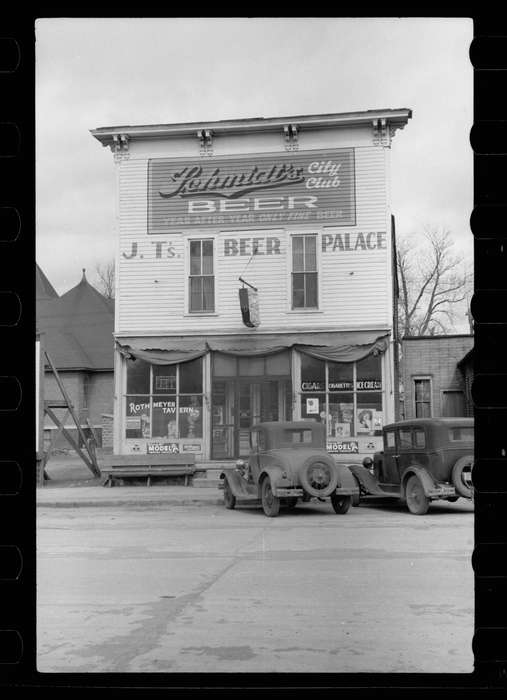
(290,272)
(417,378)
(190,239)
(151,396)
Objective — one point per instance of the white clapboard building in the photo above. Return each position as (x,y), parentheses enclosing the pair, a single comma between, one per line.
(254,281)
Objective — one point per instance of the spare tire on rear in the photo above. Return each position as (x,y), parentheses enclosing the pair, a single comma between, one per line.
(319,476)
(461,476)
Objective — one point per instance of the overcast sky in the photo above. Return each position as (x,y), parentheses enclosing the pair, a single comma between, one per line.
(108,72)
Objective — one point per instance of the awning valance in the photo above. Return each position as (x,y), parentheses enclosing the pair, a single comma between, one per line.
(338,346)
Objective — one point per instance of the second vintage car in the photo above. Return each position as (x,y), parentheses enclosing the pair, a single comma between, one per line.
(288,462)
(423,460)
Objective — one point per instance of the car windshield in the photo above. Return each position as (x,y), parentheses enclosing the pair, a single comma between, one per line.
(461,434)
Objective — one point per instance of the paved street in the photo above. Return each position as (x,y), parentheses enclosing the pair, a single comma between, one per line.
(195,588)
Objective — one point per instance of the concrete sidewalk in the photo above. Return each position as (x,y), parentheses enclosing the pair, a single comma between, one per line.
(71,484)
(91,496)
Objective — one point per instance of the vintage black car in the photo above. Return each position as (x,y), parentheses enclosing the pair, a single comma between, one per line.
(287,462)
(423,460)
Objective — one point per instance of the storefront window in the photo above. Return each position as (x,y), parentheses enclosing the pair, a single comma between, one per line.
(348,396)
(173,409)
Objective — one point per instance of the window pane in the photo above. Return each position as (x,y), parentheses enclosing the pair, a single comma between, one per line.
(369,373)
(251,366)
(369,414)
(191,417)
(341,415)
(209,294)
(137,416)
(298,290)
(298,254)
(310,253)
(164,417)
(311,290)
(453,404)
(422,410)
(138,377)
(196,294)
(422,389)
(224,365)
(313,407)
(405,438)
(390,440)
(419,438)
(195,257)
(278,364)
(191,377)
(164,379)
(313,373)
(207,257)
(340,376)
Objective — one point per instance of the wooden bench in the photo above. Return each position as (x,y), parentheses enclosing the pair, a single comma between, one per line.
(144,465)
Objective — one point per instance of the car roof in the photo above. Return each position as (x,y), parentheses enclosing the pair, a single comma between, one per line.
(444,422)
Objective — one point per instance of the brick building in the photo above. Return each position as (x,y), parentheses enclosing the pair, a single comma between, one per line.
(436,376)
(77,332)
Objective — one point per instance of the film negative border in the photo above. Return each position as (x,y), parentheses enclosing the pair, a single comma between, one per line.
(17,493)
(17,309)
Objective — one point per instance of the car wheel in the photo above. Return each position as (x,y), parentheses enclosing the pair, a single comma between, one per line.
(229,497)
(417,501)
(341,504)
(270,502)
(461,476)
(291,502)
(319,478)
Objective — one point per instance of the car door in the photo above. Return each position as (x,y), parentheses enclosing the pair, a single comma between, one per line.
(404,457)
(389,467)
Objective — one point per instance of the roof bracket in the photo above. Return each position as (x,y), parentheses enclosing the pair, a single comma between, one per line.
(205,137)
(120,146)
(382,133)
(290,132)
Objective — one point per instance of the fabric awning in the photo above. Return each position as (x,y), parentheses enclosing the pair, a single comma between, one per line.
(338,346)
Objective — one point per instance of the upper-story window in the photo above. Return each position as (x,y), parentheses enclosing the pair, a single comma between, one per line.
(304,272)
(201,279)
(422,397)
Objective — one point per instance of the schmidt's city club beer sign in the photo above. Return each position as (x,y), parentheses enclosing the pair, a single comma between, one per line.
(284,188)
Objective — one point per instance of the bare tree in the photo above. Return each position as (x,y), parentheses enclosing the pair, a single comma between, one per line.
(434,282)
(104,273)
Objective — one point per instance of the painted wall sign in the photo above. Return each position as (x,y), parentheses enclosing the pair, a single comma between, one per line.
(248,190)
(157,448)
(353,241)
(343,447)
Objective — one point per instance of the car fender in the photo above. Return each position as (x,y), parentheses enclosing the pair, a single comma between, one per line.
(346,478)
(276,475)
(239,485)
(426,479)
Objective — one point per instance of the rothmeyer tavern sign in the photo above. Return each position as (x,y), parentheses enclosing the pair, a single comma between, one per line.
(246,191)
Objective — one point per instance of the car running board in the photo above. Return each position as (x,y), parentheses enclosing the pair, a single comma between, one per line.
(368,485)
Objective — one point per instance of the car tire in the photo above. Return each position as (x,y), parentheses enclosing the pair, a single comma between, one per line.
(270,502)
(229,497)
(308,479)
(417,501)
(461,476)
(341,504)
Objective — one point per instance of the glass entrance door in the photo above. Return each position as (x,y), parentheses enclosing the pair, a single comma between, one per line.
(239,403)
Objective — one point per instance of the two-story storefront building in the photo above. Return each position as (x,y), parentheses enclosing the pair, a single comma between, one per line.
(254,281)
